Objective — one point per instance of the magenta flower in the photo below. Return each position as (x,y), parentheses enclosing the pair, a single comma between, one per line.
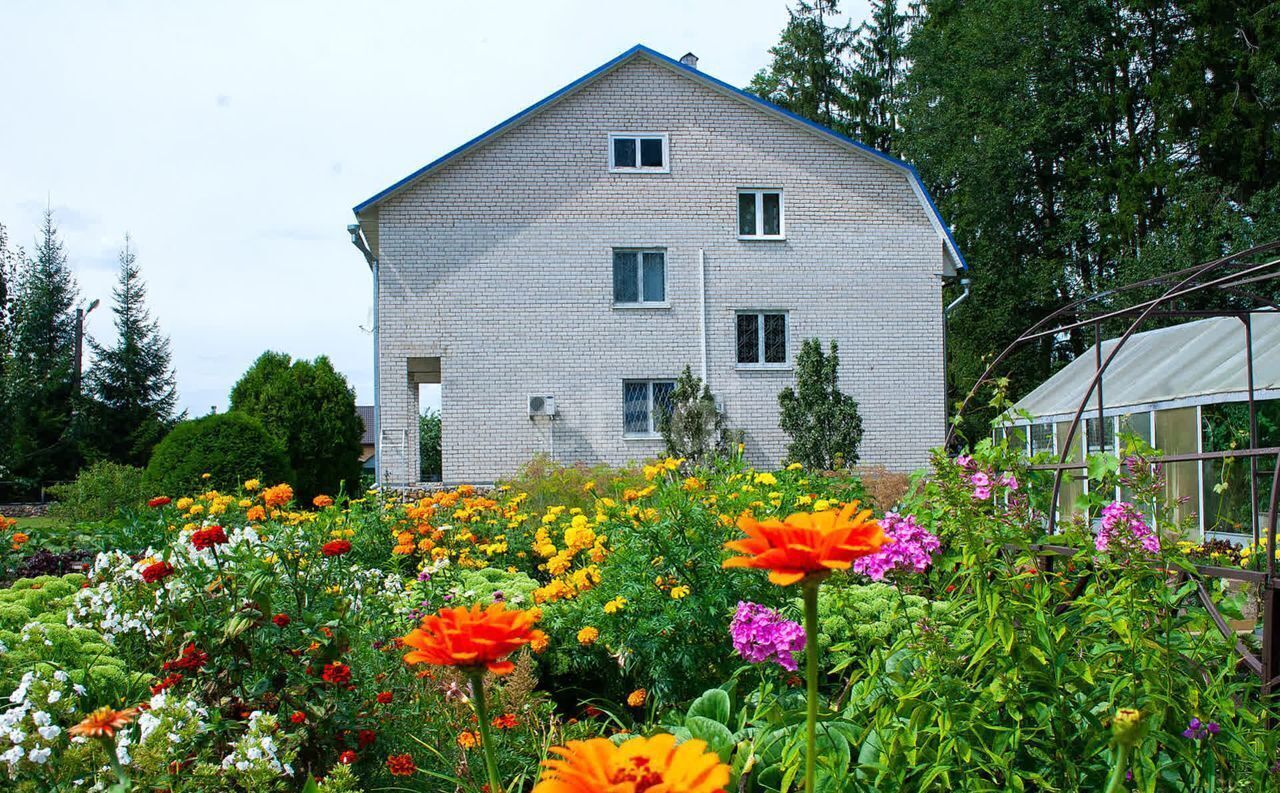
(1010,481)
(761,634)
(912,548)
(1122,524)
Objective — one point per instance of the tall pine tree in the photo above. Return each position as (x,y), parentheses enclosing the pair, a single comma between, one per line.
(131,385)
(808,71)
(40,395)
(877,76)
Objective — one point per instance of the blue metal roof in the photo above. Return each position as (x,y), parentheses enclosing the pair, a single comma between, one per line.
(912,174)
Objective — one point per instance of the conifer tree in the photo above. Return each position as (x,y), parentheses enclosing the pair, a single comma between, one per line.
(131,385)
(40,393)
(808,70)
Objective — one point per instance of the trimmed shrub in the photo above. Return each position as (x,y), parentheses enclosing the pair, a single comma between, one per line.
(823,422)
(99,492)
(230,447)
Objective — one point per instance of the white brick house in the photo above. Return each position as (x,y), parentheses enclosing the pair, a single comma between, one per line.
(644,218)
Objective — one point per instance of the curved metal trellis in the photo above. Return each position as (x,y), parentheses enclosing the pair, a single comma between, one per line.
(1228,285)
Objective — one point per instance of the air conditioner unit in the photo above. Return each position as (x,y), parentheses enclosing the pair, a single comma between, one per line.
(542,406)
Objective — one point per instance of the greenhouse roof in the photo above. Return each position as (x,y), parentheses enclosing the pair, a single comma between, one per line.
(1195,363)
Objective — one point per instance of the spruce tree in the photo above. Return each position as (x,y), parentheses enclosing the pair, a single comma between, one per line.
(131,384)
(877,77)
(9,259)
(823,422)
(808,70)
(41,396)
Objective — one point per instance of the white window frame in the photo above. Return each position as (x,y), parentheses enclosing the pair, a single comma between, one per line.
(652,432)
(759,193)
(759,314)
(666,153)
(640,251)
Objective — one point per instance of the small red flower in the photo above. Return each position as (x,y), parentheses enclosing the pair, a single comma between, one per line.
(281,620)
(158,571)
(347,758)
(335,548)
(297,717)
(191,659)
(159,501)
(506,721)
(366,737)
(167,683)
(336,672)
(384,697)
(401,765)
(208,537)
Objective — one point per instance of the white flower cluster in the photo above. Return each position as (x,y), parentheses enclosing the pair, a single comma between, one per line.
(30,726)
(256,751)
(113,607)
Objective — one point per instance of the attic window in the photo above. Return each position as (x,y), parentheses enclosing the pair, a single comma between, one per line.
(638,152)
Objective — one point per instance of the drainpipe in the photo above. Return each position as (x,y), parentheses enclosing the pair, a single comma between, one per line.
(357,239)
(702,309)
(946,313)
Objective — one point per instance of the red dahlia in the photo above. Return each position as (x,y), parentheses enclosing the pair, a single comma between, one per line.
(336,672)
(281,620)
(384,697)
(165,684)
(208,537)
(159,501)
(366,737)
(297,717)
(347,758)
(191,659)
(335,548)
(158,571)
(401,765)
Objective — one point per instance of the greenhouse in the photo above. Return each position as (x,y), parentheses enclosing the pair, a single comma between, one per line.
(1185,390)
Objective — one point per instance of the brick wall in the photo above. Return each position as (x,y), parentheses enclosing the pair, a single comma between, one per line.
(500,264)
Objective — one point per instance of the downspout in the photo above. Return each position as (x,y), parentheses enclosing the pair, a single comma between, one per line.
(357,239)
(702,309)
(946,312)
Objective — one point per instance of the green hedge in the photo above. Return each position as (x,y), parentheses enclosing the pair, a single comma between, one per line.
(230,447)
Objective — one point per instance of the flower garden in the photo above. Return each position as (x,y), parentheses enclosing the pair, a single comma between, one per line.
(671,629)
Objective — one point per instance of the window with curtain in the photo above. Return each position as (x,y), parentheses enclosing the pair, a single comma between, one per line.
(639,276)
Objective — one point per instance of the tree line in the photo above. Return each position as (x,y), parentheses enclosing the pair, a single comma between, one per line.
(54,417)
(1073,146)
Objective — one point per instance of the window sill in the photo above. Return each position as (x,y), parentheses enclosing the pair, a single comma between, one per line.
(763,367)
(637,436)
(639,170)
(655,306)
(762,238)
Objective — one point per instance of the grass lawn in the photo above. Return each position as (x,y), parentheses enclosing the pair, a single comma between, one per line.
(40,522)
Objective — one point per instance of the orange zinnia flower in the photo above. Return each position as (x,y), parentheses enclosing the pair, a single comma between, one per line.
(806,543)
(103,722)
(638,764)
(473,637)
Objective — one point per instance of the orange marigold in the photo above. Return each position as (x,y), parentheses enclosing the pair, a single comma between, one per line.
(278,495)
(322,501)
(401,765)
(468,740)
(473,637)
(637,698)
(806,543)
(104,722)
(638,764)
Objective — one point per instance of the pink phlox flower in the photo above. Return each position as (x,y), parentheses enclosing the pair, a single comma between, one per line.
(762,635)
(912,548)
(1123,524)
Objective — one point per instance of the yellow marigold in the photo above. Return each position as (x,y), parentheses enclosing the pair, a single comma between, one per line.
(252,485)
(322,501)
(680,592)
(637,698)
(691,484)
(767,479)
(589,485)
(587,636)
(467,739)
(821,505)
(195,509)
(277,495)
(795,467)
(614,606)
(244,503)
(205,475)
(256,512)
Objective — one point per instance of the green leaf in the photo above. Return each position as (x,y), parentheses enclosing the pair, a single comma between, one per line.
(714,733)
(713,704)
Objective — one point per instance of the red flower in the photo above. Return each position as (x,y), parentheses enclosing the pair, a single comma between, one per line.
(366,737)
(208,537)
(281,620)
(168,682)
(347,758)
(190,660)
(159,501)
(297,717)
(336,672)
(158,571)
(384,697)
(401,765)
(506,721)
(335,548)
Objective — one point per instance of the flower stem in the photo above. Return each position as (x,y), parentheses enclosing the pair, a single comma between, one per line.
(810,587)
(1116,784)
(486,746)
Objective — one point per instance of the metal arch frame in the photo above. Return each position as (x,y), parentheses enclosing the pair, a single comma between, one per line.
(1227,275)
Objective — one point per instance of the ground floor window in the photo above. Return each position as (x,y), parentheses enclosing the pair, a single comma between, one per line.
(644,403)
(762,338)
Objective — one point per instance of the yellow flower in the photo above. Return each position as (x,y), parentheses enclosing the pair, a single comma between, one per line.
(766,479)
(252,485)
(205,476)
(587,636)
(821,505)
(614,606)
(184,503)
(794,467)
(637,698)
(691,484)
(679,592)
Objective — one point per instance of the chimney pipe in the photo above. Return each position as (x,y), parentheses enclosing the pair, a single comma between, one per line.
(690,60)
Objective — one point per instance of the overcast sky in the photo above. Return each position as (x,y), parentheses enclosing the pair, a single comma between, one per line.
(231,140)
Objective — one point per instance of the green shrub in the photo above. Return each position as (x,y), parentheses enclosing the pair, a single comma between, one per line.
(823,422)
(230,447)
(99,492)
(695,428)
(549,483)
(429,455)
(856,619)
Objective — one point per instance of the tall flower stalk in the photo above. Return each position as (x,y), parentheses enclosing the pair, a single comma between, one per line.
(486,742)
(805,549)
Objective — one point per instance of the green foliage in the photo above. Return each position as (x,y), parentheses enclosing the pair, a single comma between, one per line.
(429,451)
(481,586)
(309,407)
(855,619)
(807,72)
(99,492)
(694,429)
(230,447)
(131,386)
(823,422)
(549,483)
